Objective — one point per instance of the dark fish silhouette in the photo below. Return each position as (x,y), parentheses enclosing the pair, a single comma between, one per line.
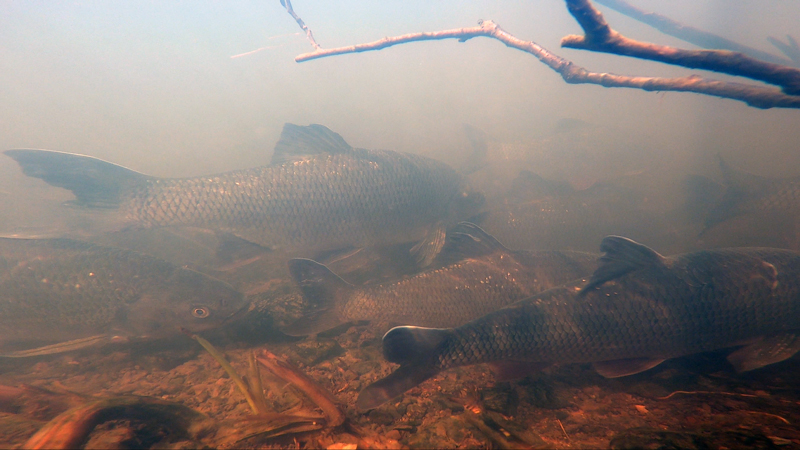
(543,214)
(73,294)
(317,194)
(638,309)
(479,275)
(749,194)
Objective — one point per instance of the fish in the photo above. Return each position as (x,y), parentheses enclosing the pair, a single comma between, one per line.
(747,194)
(474,275)
(541,214)
(317,194)
(70,294)
(637,309)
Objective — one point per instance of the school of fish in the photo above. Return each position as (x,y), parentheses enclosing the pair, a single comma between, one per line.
(468,299)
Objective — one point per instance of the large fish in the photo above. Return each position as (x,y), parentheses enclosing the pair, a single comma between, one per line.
(638,309)
(542,214)
(478,276)
(754,195)
(318,194)
(70,294)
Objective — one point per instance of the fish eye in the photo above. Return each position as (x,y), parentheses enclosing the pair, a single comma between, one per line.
(201,312)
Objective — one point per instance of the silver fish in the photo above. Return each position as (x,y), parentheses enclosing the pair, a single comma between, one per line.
(638,309)
(318,194)
(477,276)
(72,294)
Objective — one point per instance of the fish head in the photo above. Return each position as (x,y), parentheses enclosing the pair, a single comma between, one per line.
(466,203)
(186,300)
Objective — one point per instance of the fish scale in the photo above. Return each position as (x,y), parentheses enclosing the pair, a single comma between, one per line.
(628,318)
(478,275)
(60,289)
(318,194)
(638,309)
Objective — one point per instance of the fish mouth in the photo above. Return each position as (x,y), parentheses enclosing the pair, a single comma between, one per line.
(239,313)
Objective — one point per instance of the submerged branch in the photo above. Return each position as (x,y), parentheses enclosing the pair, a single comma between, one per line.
(600,37)
(689,34)
(288,5)
(243,388)
(316,393)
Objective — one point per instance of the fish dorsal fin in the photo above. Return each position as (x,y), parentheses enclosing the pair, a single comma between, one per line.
(739,186)
(622,255)
(741,181)
(297,141)
(467,240)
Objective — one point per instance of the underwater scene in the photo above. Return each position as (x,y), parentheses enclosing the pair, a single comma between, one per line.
(353,225)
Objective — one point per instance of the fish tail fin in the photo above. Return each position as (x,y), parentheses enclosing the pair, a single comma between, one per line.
(323,290)
(414,349)
(94,182)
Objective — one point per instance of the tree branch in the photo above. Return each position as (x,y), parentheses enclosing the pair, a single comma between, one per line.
(288,5)
(600,37)
(690,34)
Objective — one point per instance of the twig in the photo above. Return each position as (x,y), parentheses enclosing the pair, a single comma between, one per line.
(288,5)
(731,394)
(690,34)
(769,415)
(756,96)
(310,388)
(599,37)
(562,429)
(220,358)
(254,385)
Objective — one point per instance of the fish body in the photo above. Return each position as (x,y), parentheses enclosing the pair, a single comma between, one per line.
(480,276)
(544,214)
(59,290)
(318,194)
(638,309)
(747,194)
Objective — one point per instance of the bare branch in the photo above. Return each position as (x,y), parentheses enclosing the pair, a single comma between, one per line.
(288,5)
(597,33)
(601,38)
(462,34)
(690,34)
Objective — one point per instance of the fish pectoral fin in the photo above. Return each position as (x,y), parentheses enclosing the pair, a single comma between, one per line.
(297,142)
(624,367)
(61,347)
(765,351)
(313,323)
(467,240)
(323,291)
(426,250)
(399,381)
(622,255)
(232,248)
(514,370)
